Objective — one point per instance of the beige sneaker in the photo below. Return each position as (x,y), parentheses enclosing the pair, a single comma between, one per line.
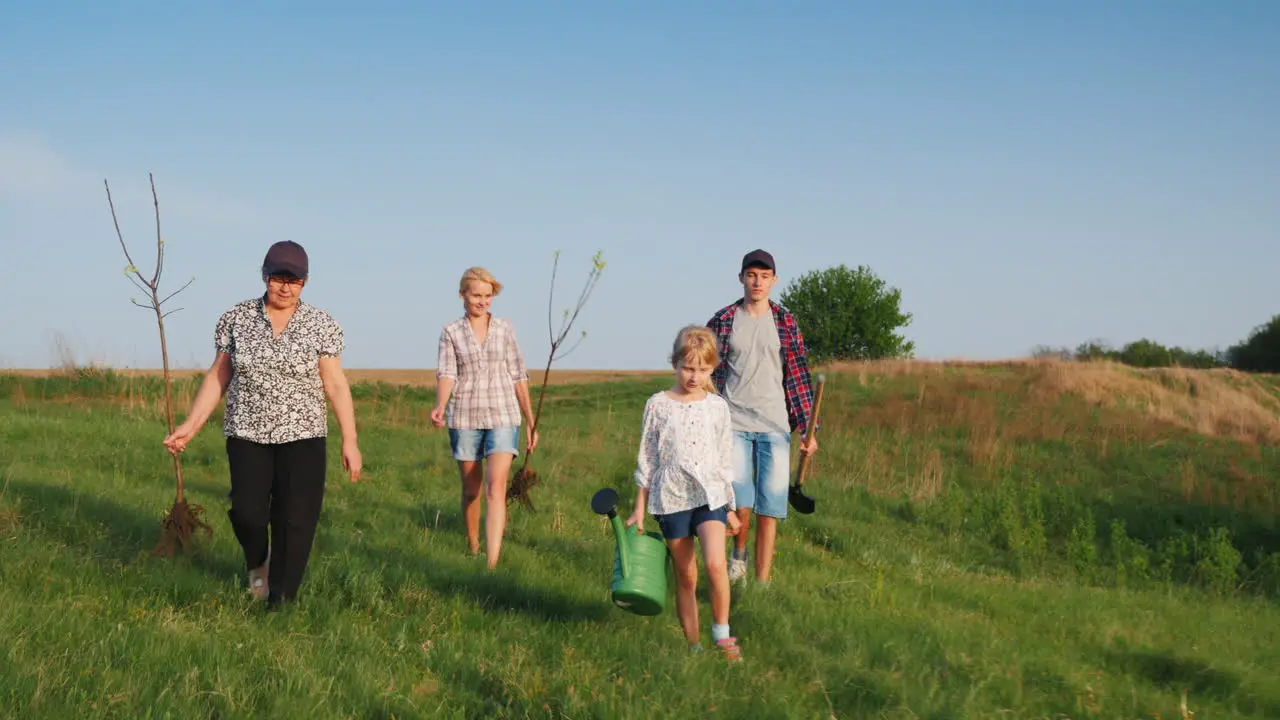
(258,580)
(737,570)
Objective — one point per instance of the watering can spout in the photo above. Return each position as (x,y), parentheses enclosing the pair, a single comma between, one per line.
(624,544)
(605,502)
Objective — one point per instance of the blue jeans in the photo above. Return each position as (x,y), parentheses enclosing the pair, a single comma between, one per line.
(762,472)
(477,444)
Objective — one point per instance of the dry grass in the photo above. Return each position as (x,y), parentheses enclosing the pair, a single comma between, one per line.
(970,402)
(918,368)
(10,519)
(991,408)
(995,402)
(988,447)
(133,399)
(1216,403)
(412,377)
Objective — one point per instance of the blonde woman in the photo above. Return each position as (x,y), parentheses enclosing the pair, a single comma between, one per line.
(482,391)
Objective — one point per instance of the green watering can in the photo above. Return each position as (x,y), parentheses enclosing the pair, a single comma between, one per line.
(639,562)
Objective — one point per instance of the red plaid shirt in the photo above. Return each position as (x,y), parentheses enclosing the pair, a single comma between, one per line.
(796,383)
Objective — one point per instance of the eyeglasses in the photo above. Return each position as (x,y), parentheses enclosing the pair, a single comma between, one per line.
(287,280)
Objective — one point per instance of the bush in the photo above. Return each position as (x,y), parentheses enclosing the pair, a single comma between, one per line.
(1146,354)
(1142,353)
(1200,359)
(848,314)
(1260,352)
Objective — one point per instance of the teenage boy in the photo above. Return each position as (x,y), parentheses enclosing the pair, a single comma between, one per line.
(764,376)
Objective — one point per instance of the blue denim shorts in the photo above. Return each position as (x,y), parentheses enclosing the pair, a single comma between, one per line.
(478,444)
(685,523)
(762,472)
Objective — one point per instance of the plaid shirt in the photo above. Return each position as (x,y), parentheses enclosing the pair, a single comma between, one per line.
(484,395)
(796,383)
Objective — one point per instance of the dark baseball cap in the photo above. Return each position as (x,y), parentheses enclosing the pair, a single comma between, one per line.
(758,258)
(286,256)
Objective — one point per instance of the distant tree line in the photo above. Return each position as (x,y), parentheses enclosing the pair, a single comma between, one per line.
(1259,352)
(852,314)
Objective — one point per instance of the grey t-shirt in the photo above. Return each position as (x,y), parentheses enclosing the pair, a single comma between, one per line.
(753,386)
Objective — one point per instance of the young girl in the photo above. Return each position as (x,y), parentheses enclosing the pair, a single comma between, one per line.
(684,474)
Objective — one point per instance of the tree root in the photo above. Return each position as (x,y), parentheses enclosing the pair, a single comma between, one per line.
(520,486)
(181,524)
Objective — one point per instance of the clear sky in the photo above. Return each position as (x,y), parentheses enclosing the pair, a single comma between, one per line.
(1025,172)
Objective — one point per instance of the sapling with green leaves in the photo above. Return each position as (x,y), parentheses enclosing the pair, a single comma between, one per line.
(526,478)
(183,520)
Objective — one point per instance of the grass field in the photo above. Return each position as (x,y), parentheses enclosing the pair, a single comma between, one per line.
(1016,540)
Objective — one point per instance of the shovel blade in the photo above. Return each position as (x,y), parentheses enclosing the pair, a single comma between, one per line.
(802,503)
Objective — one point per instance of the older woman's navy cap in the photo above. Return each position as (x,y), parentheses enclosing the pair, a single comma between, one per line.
(286,256)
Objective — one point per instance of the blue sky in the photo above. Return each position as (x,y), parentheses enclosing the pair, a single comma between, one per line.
(1025,173)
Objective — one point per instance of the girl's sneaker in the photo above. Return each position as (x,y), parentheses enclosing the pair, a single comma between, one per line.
(729,646)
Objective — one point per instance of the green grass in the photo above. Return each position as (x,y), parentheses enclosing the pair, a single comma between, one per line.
(979,551)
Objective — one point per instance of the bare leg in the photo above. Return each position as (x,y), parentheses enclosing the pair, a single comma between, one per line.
(711,535)
(740,540)
(766,536)
(685,564)
(472,473)
(495,519)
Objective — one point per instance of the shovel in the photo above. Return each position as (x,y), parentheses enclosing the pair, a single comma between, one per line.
(801,502)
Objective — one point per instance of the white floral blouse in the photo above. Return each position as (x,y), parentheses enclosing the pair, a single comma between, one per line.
(685,458)
(276,395)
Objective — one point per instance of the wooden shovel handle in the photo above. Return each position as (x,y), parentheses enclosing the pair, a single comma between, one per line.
(811,431)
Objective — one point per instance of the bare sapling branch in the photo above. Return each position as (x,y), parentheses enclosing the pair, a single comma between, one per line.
(526,478)
(182,520)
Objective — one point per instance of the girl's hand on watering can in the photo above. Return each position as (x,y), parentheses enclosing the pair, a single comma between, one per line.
(637,519)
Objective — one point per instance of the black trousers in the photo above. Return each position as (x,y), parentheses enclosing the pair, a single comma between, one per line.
(276,494)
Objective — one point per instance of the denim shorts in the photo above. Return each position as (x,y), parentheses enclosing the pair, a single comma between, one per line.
(685,523)
(762,472)
(478,444)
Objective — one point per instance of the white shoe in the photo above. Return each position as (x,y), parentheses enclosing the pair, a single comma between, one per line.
(737,570)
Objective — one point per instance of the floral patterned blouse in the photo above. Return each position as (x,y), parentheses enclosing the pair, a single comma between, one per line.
(685,457)
(275,394)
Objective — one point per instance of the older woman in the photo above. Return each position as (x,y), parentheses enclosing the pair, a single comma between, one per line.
(277,358)
(482,387)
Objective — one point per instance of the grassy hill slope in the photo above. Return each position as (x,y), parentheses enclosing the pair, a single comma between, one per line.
(992,540)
